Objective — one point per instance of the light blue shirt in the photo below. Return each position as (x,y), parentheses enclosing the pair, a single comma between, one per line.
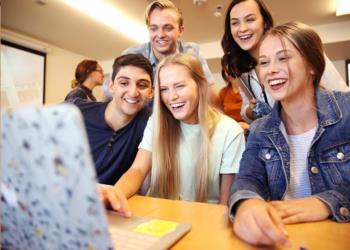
(182,47)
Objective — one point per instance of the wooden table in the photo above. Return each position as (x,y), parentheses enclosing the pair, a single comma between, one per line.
(212,230)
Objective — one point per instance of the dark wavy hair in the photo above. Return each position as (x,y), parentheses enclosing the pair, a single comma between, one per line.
(137,60)
(306,41)
(237,61)
(82,71)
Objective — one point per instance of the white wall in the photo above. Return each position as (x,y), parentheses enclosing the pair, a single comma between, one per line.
(60,65)
(107,65)
(340,66)
(60,68)
(220,83)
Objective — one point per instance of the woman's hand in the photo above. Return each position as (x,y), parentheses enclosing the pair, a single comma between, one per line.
(301,210)
(249,110)
(114,199)
(245,126)
(258,223)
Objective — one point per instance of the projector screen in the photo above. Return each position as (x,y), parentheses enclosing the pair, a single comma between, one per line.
(22,76)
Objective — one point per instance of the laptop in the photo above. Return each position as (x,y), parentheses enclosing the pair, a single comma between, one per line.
(49,198)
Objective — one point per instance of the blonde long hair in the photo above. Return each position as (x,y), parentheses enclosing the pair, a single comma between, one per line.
(167,131)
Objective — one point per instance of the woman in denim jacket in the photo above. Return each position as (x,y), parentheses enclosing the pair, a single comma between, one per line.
(296,166)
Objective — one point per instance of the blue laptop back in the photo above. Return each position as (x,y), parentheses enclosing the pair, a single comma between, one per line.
(49,198)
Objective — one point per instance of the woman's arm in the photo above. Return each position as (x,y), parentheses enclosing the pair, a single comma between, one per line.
(116,196)
(132,180)
(245,106)
(225,185)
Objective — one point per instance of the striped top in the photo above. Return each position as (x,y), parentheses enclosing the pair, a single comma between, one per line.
(299,146)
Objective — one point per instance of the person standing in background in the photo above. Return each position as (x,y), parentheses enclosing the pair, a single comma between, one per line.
(88,75)
(166,25)
(231,101)
(245,24)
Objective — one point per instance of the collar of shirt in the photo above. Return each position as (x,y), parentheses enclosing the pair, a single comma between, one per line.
(153,59)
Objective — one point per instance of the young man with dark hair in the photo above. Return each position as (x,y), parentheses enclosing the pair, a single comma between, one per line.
(115,128)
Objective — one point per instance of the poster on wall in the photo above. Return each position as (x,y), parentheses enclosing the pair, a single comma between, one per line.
(22,76)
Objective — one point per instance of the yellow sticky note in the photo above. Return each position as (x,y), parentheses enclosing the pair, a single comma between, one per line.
(156,228)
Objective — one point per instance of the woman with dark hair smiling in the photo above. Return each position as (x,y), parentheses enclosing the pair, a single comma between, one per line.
(88,75)
(245,24)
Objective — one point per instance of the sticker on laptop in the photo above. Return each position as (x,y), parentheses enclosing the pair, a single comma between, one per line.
(156,228)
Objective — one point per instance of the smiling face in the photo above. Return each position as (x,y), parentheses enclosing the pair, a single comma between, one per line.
(164,32)
(179,93)
(247,25)
(283,70)
(131,90)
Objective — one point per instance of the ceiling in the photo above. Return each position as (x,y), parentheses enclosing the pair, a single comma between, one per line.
(58,24)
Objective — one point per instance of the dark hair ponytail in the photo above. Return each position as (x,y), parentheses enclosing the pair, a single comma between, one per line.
(82,72)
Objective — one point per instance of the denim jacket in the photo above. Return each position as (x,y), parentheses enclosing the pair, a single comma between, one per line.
(265,165)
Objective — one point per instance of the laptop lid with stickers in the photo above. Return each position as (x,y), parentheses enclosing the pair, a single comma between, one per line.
(49,198)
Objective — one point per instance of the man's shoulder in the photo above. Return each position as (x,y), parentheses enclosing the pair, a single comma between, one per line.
(75,94)
(82,102)
(143,49)
(89,106)
(189,47)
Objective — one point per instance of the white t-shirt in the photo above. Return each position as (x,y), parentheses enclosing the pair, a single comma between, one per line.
(299,183)
(227,146)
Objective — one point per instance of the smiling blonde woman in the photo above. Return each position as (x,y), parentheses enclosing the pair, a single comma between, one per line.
(190,150)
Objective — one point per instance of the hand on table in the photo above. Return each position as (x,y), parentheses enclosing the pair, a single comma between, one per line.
(114,199)
(301,210)
(258,223)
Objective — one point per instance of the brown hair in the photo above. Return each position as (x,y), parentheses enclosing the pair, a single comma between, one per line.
(137,60)
(237,61)
(306,41)
(161,5)
(82,71)
(167,131)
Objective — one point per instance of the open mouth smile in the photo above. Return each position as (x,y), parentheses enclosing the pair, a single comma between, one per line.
(276,84)
(177,106)
(131,100)
(245,38)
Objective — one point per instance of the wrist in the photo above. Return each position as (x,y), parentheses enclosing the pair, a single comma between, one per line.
(249,113)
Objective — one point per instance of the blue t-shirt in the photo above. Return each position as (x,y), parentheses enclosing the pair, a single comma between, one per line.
(113,151)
